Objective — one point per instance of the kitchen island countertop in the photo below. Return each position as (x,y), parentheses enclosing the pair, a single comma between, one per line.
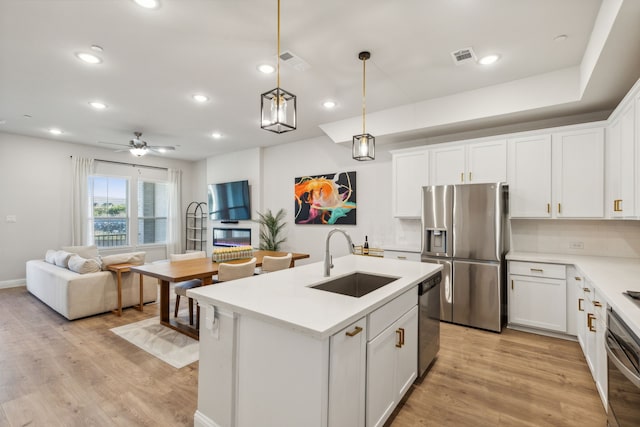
(286,298)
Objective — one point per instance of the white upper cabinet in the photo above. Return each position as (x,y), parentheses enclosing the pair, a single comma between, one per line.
(410,174)
(472,163)
(578,173)
(621,147)
(487,162)
(529,160)
(559,175)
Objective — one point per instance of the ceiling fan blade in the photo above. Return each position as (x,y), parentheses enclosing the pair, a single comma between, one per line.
(161,149)
(112,143)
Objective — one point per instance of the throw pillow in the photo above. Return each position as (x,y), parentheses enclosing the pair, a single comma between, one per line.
(83,265)
(136,258)
(188,255)
(84,251)
(62,259)
(50,256)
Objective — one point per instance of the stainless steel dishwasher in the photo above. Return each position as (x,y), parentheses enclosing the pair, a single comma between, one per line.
(429,322)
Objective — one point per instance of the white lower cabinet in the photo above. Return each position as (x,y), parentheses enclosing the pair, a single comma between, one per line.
(538,295)
(347,375)
(402,255)
(392,359)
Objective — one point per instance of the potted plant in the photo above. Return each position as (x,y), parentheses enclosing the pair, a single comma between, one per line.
(271,229)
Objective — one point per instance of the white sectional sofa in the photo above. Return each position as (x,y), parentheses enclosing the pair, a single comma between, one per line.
(76,295)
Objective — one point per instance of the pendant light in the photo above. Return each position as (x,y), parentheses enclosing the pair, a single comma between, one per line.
(364,145)
(278,107)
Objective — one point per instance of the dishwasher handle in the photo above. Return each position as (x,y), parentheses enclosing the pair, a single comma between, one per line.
(623,367)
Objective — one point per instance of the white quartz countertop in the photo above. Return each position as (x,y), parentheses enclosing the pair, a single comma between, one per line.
(285,297)
(611,275)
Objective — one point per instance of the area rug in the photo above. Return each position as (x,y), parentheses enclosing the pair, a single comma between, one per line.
(172,347)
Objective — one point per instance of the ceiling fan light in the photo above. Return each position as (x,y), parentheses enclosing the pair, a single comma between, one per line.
(89,58)
(148,4)
(138,152)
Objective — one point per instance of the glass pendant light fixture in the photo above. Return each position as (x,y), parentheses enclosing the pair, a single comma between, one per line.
(278,107)
(364,145)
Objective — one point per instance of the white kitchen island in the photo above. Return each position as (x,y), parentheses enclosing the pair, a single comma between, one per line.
(276,352)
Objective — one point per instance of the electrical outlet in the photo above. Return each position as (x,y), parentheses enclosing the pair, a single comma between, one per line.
(576,245)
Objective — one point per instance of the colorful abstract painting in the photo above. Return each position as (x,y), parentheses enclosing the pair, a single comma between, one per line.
(326,199)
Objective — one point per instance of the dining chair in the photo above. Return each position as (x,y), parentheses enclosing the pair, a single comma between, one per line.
(275,263)
(181,288)
(228,272)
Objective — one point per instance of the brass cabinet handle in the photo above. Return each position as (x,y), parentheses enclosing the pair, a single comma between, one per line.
(538,270)
(616,205)
(578,278)
(470,177)
(597,304)
(461,176)
(402,336)
(548,207)
(559,209)
(586,289)
(355,332)
(580,301)
(590,319)
(512,284)
(398,338)
(401,257)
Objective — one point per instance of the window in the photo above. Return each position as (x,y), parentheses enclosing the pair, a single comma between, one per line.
(153,207)
(109,214)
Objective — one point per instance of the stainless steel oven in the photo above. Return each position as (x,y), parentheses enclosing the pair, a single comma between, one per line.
(623,369)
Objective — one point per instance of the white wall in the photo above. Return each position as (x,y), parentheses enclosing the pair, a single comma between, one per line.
(600,237)
(35,186)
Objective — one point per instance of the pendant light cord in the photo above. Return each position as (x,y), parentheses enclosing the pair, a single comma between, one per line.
(278,61)
(364,82)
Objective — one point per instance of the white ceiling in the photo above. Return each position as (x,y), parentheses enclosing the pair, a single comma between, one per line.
(154,60)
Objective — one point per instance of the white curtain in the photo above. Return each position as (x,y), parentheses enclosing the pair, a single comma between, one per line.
(81,232)
(174,223)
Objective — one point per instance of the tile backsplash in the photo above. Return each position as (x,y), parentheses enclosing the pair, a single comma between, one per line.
(580,237)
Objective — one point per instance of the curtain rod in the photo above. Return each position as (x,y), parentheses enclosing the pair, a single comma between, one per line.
(128,164)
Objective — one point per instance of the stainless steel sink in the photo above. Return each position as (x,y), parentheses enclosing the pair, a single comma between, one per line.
(355,284)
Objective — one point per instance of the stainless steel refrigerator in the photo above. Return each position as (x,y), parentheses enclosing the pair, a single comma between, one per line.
(464,228)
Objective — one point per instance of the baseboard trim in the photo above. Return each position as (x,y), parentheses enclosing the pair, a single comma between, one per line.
(201,420)
(544,332)
(12,283)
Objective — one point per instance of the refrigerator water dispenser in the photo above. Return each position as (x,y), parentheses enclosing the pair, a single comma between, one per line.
(436,240)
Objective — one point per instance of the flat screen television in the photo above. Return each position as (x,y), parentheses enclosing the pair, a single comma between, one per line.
(229,201)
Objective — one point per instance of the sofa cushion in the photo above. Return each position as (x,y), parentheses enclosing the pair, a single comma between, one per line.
(83,265)
(136,258)
(50,256)
(84,251)
(188,255)
(62,258)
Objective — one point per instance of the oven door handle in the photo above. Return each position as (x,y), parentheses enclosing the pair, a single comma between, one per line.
(631,376)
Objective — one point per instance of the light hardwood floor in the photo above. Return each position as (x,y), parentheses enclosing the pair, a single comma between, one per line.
(59,373)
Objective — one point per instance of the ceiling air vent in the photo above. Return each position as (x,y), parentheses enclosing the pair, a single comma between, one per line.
(294,61)
(463,56)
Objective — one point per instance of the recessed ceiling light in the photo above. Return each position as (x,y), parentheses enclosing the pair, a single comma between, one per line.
(98,105)
(55,131)
(198,97)
(216,135)
(329,104)
(266,68)
(560,38)
(148,4)
(488,60)
(89,58)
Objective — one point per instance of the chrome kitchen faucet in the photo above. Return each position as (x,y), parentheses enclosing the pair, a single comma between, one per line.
(328,259)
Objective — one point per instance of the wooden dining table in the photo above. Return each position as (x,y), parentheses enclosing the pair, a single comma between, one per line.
(199,268)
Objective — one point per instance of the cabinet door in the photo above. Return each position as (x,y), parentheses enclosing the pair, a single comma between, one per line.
(447,165)
(620,147)
(487,162)
(578,159)
(407,354)
(381,395)
(347,370)
(529,176)
(538,302)
(581,313)
(410,174)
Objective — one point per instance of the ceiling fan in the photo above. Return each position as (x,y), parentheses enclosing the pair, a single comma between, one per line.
(139,148)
